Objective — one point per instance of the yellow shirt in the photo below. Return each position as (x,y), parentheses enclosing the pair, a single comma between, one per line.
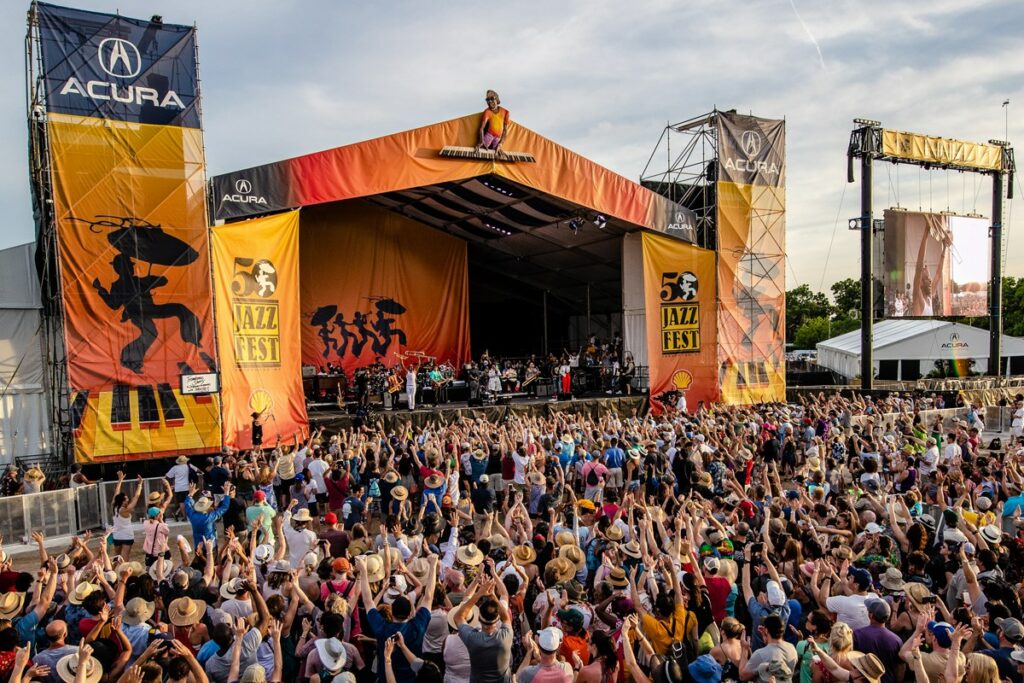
(663,632)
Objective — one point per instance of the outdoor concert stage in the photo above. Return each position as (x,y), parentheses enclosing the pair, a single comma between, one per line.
(334,419)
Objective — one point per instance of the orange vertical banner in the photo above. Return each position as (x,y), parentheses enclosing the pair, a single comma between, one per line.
(256,271)
(679,295)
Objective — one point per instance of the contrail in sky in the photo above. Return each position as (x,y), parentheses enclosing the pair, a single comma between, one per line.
(821,59)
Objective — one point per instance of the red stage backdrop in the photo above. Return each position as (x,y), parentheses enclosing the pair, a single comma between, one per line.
(375,283)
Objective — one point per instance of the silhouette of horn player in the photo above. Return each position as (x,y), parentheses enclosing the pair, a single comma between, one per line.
(139,240)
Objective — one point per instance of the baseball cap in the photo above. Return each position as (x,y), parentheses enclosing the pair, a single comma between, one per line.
(711,564)
(153,512)
(587,505)
(341,564)
(571,617)
(873,528)
(862,577)
(878,609)
(330,518)
(259,496)
(776,596)
(942,632)
(1012,629)
(550,639)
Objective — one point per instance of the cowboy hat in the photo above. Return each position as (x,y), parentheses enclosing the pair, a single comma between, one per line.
(614,533)
(564,538)
(203,504)
(562,569)
(279,567)
(11,604)
(472,619)
(332,653)
(617,578)
(67,669)
(399,493)
(302,515)
(478,454)
(566,438)
(420,568)
(230,589)
(390,477)
(470,555)
(869,665)
(137,611)
(81,592)
(434,481)
(524,554)
(186,611)
(574,555)
(536,477)
(374,568)
(161,562)
(631,549)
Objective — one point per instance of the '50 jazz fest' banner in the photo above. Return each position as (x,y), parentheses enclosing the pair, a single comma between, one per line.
(256,264)
(751,258)
(401,286)
(679,297)
(128,176)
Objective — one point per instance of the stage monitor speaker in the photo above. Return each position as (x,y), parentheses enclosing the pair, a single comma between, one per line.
(564,397)
(475,403)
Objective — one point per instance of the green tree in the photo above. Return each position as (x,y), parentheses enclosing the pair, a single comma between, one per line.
(801,305)
(812,331)
(846,295)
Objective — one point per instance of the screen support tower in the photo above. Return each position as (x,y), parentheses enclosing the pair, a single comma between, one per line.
(870,142)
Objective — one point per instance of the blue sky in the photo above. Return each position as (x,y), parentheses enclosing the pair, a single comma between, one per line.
(284,78)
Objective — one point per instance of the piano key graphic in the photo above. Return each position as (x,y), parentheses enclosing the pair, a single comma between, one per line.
(121,408)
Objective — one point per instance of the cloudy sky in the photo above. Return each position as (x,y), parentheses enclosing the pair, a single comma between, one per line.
(282,78)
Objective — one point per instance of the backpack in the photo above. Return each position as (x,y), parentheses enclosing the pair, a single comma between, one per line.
(592,478)
(680,654)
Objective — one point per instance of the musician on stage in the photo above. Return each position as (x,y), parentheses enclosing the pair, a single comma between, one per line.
(472,376)
(494,123)
(493,381)
(565,373)
(530,377)
(437,381)
(510,378)
(410,384)
(362,376)
(626,375)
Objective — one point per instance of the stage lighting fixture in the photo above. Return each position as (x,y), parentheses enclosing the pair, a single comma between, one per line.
(999,143)
(600,221)
(867,122)
(854,224)
(156,20)
(575,223)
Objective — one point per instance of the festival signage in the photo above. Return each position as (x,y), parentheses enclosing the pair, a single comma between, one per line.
(927,149)
(403,287)
(256,268)
(128,177)
(751,212)
(679,296)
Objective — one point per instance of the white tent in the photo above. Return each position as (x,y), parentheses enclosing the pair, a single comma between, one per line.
(908,349)
(24,406)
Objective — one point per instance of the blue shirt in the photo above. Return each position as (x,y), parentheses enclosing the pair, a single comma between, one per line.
(614,458)
(203,528)
(1013,504)
(412,633)
(758,612)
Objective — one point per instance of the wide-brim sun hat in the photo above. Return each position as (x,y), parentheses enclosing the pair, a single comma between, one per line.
(67,669)
(186,611)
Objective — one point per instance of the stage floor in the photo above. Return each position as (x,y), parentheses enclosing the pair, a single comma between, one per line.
(334,419)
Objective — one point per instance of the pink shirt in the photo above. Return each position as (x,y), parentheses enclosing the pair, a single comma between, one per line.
(156,534)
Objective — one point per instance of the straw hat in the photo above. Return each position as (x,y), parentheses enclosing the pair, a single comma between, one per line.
(574,555)
(631,549)
(536,477)
(434,481)
(63,561)
(524,554)
(472,619)
(478,454)
(892,579)
(230,589)
(564,538)
(186,611)
(420,568)
(137,611)
(869,665)
(470,555)
(916,592)
(67,669)
(374,568)
(81,592)
(155,497)
(562,568)
(705,480)
(303,515)
(11,604)
(332,653)
(203,505)
(991,533)
(617,578)
(498,541)
(279,567)
(390,477)
(399,493)
(34,473)
(614,533)
(167,566)
(182,460)
(263,553)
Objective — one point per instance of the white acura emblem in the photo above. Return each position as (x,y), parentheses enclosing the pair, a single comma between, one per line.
(119,58)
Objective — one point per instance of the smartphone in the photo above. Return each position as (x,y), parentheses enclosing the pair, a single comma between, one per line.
(966,597)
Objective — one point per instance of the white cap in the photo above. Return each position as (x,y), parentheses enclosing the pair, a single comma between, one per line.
(776,596)
(873,528)
(711,564)
(550,639)
(485,479)
(310,560)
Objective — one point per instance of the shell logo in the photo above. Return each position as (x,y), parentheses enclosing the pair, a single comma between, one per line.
(682,380)
(260,400)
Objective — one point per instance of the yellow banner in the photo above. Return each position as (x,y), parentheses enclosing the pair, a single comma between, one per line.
(679,298)
(933,150)
(256,269)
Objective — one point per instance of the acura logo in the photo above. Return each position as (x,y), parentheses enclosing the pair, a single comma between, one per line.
(954,337)
(119,58)
(751,142)
(243,186)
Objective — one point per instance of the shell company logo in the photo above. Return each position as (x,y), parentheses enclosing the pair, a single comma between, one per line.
(682,379)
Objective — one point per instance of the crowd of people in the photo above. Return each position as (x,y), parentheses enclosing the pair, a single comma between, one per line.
(839,539)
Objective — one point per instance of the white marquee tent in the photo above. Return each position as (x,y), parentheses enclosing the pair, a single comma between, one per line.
(908,349)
